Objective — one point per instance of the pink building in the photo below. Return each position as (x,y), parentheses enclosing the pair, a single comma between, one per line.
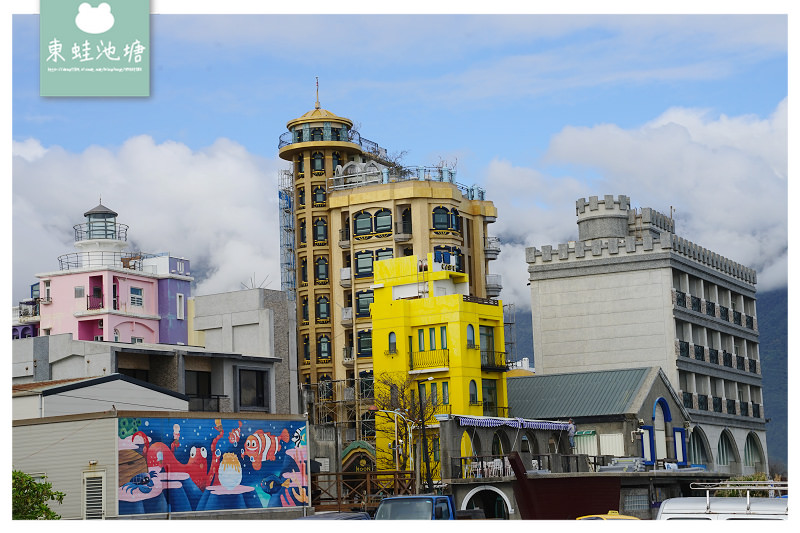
(102,292)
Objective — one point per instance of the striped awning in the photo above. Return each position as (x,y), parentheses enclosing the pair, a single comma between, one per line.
(491,422)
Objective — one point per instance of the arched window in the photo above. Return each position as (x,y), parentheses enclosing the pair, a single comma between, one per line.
(459,259)
(365,343)
(317,162)
(298,134)
(319,196)
(392,342)
(321,269)
(363,264)
(304,271)
(362,223)
(752,452)
(455,220)
(441,218)
(325,387)
(383,221)
(696,449)
(304,309)
(316,134)
(301,196)
(363,299)
(323,309)
(405,220)
(336,134)
(323,349)
(336,159)
(473,393)
(306,348)
(320,231)
(471,336)
(725,453)
(301,230)
(116,335)
(300,164)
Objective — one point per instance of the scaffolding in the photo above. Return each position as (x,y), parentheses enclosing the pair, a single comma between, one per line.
(341,404)
(286,213)
(510,331)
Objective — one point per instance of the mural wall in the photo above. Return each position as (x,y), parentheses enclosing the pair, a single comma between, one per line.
(179,465)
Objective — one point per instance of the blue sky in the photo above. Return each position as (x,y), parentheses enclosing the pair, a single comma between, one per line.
(688,111)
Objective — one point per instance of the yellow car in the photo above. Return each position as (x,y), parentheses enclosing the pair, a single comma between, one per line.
(612,515)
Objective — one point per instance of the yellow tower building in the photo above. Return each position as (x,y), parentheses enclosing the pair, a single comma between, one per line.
(350,207)
(436,351)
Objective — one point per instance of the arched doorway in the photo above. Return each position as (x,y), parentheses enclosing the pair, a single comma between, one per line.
(492,501)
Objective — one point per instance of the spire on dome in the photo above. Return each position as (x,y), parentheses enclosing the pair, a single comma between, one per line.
(316,106)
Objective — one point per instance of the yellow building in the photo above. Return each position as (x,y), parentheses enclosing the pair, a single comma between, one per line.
(349,207)
(434,340)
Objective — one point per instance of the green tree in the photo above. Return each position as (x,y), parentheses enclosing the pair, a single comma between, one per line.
(734,493)
(30,498)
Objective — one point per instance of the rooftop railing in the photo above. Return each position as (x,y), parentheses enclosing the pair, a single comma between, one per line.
(129,260)
(99,230)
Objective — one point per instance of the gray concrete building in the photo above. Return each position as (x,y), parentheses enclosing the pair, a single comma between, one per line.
(628,293)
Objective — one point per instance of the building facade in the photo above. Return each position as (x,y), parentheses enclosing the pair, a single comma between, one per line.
(440,344)
(102,292)
(347,205)
(631,293)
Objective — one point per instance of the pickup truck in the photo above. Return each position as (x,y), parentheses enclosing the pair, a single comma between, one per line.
(423,507)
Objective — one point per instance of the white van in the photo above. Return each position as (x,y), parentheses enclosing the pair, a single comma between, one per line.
(734,508)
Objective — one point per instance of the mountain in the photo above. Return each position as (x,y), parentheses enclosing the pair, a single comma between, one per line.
(772,312)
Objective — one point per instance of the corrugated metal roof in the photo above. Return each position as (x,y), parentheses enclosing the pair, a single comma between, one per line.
(579,394)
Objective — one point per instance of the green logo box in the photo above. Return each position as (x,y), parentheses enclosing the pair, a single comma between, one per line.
(94,48)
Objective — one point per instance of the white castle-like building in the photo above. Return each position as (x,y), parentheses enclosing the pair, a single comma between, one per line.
(631,293)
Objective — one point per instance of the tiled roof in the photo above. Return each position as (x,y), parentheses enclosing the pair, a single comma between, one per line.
(38,386)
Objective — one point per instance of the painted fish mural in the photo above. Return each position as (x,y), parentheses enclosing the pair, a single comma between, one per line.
(186,465)
(262,446)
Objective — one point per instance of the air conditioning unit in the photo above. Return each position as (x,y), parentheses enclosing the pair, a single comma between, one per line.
(100,324)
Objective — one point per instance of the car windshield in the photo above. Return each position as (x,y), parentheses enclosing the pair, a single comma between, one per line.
(405,509)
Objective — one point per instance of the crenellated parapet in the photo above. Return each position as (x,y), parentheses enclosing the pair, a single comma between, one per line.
(631,246)
(649,220)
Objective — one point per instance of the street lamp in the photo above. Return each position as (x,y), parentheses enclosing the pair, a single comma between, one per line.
(428,479)
(396,414)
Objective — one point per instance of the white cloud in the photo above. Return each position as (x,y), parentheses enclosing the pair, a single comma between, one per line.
(726,178)
(216,206)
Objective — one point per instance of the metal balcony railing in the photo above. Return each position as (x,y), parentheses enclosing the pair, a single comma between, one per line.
(702,402)
(748,322)
(737,318)
(429,359)
(739,362)
(710,308)
(699,352)
(717,404)
(723,313)
(695,304)
(756,410)
(743,408)
(205,403)
(713,356)
(680,299)
(752,366)
(683,348)
(688,400)
(128,260)
(100,230)
(493,361)
(730,406)
(727,359)
(94,303)
(476,300)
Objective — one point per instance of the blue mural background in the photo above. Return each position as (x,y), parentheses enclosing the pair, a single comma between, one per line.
(186,464)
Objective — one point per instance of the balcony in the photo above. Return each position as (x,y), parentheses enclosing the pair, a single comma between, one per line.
(429,360)
(696,304)
(710,308)
(702,402)
(737,318)
(100,230)
(29,311)
(347,316)
(492,361)
(727,359)
(752,366)
(713,356)
(344,277)
(699,352)
(680,299)
(748,322)
(94,303)
(723,313)
(348,355)
(744,409)
(717,404)
(730,407)
(402,231)
(205,403)
(476,300)
(94,259)
(688,400)
(756,410)
(491,248)
(683,348)
(491,409)
(494,284)
(739,362)
(344,238)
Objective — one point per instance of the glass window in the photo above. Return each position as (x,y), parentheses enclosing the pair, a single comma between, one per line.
(318,162)
(434,394)
(325,387)
(323,308)
(79,292)
(383,221)
(198,384)
(384,253)
(304,270)
(253,388)
(421,338)
(443,337)
(301,230)
(301,196)
(306,348)
(365,343)
(300,158)
(181,309)
(392,342)
(432,338)
(487,338)
(455,220)
(445,393)
(319,196)
(363,300)
(422,395)
(473,392)
(320,230)
(304,308)
(321,269)
(470,336)
(436,458)
(362,223)
(137,297)
(441,218)
(363,264)
(335,157)
(324,347)
(316,134)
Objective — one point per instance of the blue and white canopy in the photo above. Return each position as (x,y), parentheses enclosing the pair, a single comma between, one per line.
(491,422)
